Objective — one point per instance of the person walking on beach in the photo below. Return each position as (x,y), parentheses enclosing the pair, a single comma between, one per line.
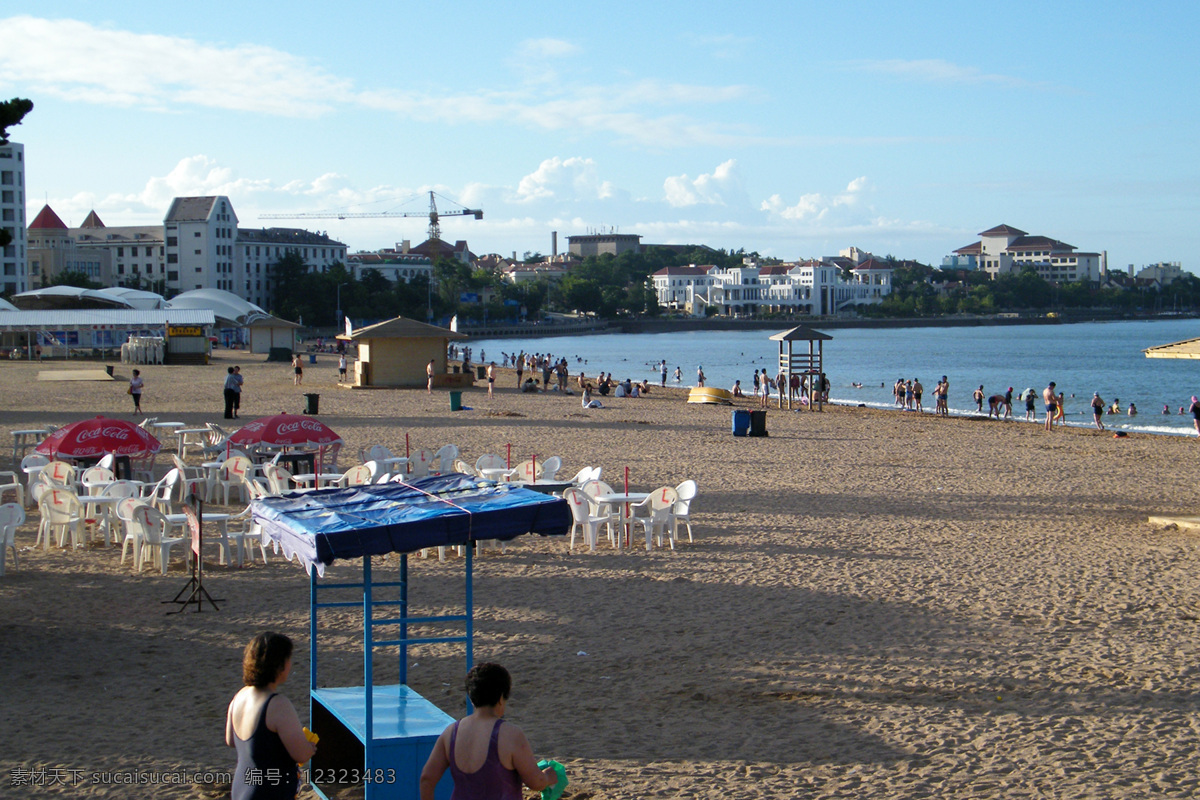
(1098,411)
(520,367)
(1051,401)
(486,756)
(299,370)
(429,376)
(136,384)
(1008,404)
(231,387)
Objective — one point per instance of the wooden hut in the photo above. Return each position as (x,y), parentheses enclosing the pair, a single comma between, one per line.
(394,354)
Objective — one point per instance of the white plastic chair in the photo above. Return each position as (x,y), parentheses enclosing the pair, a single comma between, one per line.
(159,495)
(356,476)
(232,475)
(191,479)
(153,527)
(489,461)
(32,460)
(686,492)
(12,516)
(583,520)
(443,459)
(62,513)
(107,462)
(550,467)
(60,473)
(594,488)
(375,452)
(279,479)
(10,482)
(96,474)
(132,535)
(525,472)
(419,463)
(654,515)
(463,468)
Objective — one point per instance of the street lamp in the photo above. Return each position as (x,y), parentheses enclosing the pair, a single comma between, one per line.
(339,305)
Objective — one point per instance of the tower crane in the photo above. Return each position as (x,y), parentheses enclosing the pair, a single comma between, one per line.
(435,230)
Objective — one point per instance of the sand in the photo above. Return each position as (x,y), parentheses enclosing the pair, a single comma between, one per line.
(875,605)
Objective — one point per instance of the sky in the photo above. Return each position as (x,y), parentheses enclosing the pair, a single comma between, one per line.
(793,129)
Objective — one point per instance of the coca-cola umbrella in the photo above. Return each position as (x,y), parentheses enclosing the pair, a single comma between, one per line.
(92,438)
(285,430)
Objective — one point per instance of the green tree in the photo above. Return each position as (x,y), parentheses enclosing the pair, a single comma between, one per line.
(11,114)
(74,277)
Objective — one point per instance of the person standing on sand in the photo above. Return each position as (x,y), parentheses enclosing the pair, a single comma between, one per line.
(756,382)
(1030,406)
(978,397)
(918,390)
(299,370)
(1051,401)
(341,367)
(230,393)
(491,376)
(1194,409)
(429,376)
(663,368)
(136,384)
(700,377)
(1008,404)
(1098,411)
(263,726)
(487,758)
(237,398)
(520,367)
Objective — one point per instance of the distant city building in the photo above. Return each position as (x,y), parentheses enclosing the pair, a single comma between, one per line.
(1005,250)
(595,244)
(198,246)
(53,251)
(1164,273)
(816,287)
(14,269)
(391,264)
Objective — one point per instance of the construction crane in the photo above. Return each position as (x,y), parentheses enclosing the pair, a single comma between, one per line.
(435,229)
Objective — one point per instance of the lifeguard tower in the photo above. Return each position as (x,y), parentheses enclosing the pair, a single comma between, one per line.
(809,366)
(374,740)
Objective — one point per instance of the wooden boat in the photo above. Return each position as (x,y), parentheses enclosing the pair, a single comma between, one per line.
(710,396)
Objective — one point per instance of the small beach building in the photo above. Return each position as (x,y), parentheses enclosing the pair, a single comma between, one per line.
(394,354)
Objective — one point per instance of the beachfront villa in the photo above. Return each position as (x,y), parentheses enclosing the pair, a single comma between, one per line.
(198,246)
(1004,250)
(815,287)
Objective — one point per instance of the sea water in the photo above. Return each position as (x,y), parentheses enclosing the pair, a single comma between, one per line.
(1081,358)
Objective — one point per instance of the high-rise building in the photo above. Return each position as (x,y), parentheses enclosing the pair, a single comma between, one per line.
(13,265)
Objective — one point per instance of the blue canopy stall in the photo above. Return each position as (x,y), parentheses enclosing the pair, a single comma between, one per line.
(379,737)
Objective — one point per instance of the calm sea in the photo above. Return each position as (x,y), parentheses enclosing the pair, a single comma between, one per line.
(1081,358)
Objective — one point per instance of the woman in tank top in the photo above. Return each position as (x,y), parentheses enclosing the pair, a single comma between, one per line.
(263,726)
(487,758)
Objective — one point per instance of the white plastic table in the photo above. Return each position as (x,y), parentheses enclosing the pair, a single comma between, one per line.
(322,480)
(494,473)
(23,440)
(171,428)
(222,521)
(104,508)
(187,437)
(622,500)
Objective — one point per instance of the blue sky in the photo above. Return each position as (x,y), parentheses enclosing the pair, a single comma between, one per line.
(794,129)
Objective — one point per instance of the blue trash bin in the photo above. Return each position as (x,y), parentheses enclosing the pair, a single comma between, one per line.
(741,421)
(312,358)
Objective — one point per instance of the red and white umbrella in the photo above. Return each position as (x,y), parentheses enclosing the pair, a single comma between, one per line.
(284,430)
(96,437)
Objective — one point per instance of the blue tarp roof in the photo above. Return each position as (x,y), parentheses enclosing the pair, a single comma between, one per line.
(445,510)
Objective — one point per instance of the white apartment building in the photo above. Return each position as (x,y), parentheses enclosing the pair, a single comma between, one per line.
(1004,249)
(14,269)
(198,246)
(393,265)
(808,287)
(1164,272)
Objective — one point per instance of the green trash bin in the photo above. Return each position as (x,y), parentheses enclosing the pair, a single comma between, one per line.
(312,403)
(480,373)
(455,400)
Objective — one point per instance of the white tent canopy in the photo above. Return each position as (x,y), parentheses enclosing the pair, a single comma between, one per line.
(136,298)
(228,308)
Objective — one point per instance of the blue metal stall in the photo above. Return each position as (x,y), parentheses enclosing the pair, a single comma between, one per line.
(379,737)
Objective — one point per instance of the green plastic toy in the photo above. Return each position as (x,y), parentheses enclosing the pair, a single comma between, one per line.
(556,791)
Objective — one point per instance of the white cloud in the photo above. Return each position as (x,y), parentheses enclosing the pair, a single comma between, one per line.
(722,46)
(708,189)
(936,70)
(817,207)
(564,179)
(81,62)
(84,63)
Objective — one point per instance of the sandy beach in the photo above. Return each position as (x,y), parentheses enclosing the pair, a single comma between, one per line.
(876,604)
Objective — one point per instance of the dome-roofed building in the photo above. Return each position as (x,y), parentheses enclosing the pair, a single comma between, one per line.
(240,321)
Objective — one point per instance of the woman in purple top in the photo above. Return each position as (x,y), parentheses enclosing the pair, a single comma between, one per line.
(487,759)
